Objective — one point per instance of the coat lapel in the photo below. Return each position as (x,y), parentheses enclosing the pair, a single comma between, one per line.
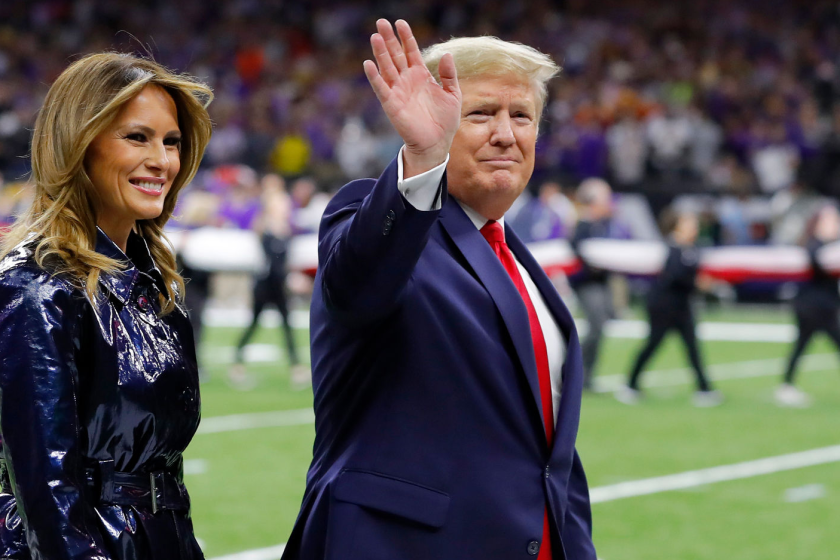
(572,371)
(495,279)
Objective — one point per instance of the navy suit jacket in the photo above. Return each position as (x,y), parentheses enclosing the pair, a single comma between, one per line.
(429,436)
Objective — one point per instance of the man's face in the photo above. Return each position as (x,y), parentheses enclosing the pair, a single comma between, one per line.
(492,155)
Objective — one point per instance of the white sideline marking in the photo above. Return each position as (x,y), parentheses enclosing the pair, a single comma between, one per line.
(648,486)
(690,479)
(252,353)
(706,330)
(275,418)
(615,328)
(270,553)
(605,383)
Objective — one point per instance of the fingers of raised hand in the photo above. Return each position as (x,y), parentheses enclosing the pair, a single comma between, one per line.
(380,88)
(395,49)
(383,58)
(412,51)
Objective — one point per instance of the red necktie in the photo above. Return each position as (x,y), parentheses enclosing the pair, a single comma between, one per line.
(495,236)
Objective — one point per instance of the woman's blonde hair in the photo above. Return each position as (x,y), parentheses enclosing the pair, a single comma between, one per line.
(490,56)
(83,102)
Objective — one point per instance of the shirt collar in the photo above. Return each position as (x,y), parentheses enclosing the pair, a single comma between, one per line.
(477,219)
(137,260)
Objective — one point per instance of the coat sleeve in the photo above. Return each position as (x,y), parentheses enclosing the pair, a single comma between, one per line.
(369,243)
(577,529)
(39,420)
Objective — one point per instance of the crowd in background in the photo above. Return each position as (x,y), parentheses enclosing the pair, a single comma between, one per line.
(738,100)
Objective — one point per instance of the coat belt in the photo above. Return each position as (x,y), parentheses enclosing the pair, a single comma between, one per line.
(156,490)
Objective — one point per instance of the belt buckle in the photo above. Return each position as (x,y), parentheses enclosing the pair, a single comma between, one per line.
(153,487)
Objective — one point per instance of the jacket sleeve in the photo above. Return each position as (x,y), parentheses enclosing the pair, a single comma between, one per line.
(577,528)
(369,243)
(39,420)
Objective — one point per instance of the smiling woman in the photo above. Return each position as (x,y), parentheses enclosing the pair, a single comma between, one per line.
(98,378)
(133,162)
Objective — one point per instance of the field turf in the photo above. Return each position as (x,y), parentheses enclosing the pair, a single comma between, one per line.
(246,484)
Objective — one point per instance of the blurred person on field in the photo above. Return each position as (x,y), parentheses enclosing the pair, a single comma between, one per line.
(669,306)
(197,208)
(446,369)
(274,228)
(594,197)
(99,393)
(816,305)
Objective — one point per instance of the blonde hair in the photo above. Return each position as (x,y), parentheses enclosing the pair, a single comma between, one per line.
(490,56)
(83,102)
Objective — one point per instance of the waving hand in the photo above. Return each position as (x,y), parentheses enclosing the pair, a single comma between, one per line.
(426,115)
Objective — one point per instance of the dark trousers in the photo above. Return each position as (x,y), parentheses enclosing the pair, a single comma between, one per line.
(596,301)
(269,290)
(811,320)
(662,319)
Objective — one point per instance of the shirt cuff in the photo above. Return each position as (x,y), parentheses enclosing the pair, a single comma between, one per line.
(421,191)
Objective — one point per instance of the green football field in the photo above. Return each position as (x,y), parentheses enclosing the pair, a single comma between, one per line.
(750,493)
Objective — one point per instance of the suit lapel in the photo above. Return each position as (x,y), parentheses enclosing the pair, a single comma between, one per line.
(495,279)
(572,371)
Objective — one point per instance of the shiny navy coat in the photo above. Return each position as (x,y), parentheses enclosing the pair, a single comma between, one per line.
(83,382)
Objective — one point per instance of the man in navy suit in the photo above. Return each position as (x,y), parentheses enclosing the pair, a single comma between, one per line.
(446,369)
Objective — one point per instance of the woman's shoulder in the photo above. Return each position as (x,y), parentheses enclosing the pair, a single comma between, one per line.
(23,279)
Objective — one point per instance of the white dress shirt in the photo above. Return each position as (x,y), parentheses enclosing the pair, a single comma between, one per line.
(421,192)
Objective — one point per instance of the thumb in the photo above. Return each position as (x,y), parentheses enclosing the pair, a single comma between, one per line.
(448,75)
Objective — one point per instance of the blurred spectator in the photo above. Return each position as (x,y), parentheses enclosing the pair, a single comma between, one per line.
(549,215)
(774,158)
(628,151)
(689,97)
(291,153)
(669,134)
(308,206)
(240,204)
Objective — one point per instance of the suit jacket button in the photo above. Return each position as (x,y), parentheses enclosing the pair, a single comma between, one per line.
(534,548)
(386,228)
(392,215)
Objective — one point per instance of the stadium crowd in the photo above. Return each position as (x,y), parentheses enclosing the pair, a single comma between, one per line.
(733,99)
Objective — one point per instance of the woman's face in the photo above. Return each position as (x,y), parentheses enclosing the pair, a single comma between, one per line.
(133,162)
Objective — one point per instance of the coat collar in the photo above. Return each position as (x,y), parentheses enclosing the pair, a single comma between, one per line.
(572,372)
(137,260)
(463,229)
(496,280)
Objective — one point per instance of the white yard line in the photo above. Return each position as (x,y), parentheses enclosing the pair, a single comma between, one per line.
(647,486)
(616,328)
(270,553)
(272,419)
(691,479)
(606,383)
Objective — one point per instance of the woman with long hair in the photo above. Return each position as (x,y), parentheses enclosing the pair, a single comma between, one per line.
(98,378)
